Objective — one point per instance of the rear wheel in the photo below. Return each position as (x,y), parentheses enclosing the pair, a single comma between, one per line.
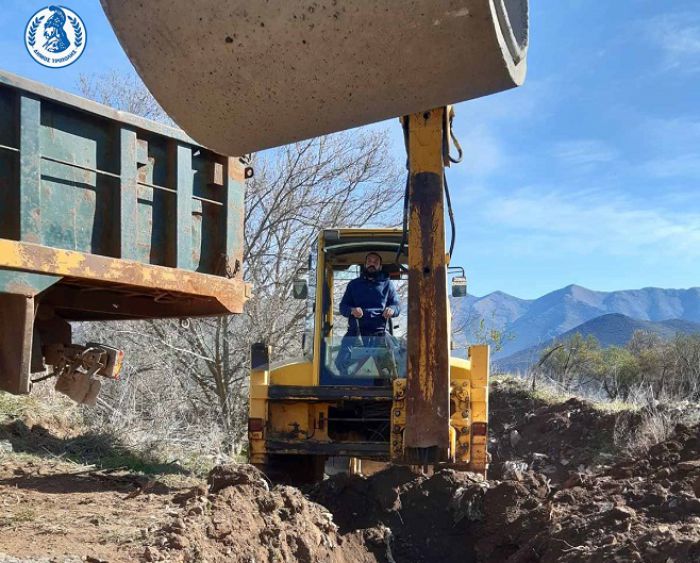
(293,469)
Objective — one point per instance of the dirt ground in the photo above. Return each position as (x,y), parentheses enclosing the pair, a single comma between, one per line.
(559,490)
(552,437)
(647,509)
(63,511)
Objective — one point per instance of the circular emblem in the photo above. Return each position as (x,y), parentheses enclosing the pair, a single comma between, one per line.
(55,36)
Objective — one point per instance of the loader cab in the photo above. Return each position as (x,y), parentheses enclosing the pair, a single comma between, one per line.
(339,258)
(306,409)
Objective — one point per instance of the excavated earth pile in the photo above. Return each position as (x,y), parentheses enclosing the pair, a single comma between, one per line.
(239,517)
(420,518)
(578,500)
(553,438)
(646,509)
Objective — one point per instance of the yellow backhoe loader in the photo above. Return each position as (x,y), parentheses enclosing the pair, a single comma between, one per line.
(406,401)
(241,76)
(306,410)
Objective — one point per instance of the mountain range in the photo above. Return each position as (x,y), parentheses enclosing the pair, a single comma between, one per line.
(532,323)
(612,329)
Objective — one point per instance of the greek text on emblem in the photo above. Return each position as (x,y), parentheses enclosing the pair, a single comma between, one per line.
(55,36)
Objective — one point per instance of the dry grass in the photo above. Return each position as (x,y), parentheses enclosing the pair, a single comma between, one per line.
(19,517)
(653,419)
(552,392)
(50,426)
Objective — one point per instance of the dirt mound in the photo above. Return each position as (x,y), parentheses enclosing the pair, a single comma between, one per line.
(588,506)
(528,433)
(450,516)
(429,517)
(243,519)
(642,510)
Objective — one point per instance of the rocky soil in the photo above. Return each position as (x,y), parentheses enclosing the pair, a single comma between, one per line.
(561,489)
(552,437)
(238,516)
(646,509)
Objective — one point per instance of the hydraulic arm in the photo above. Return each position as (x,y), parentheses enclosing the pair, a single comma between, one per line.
(426,435)
(440,411)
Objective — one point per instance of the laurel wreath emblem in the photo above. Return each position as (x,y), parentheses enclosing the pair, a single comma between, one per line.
(78,29)
(31,34)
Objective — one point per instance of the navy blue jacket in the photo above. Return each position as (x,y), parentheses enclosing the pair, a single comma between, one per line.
(373,294)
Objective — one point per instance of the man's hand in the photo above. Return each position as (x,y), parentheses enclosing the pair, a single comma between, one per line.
(357,312)
(388,313)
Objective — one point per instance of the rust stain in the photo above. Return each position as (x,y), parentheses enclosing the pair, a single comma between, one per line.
(236,170)
(427,396)
(19,288)
(37,258)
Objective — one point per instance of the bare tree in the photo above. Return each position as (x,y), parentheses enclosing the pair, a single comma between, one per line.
(346,179)
(123,91)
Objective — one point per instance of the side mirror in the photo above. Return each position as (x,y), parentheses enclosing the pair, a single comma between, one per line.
(459,287)
(300,289)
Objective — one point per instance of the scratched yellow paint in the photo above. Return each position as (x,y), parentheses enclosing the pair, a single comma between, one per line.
(422,136)
(295,373)
(9,253)
(425,139)
(69,261)
(32,257)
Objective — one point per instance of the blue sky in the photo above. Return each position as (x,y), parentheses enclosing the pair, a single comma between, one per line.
(587,174)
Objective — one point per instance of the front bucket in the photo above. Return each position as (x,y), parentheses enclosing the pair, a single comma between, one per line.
(242,76)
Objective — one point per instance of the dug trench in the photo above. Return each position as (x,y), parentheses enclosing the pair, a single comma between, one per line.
(561,490)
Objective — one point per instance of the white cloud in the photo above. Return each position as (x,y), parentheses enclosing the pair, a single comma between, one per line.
(482,151)
(682,166)
(584,152)
(678,35)
(590,223)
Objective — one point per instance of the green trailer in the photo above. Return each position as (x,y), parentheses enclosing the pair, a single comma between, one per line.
(105,216)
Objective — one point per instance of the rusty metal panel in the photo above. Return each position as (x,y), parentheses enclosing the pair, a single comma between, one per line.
(102,182)
(30,170)
(235,215)
(426,437)
(104,216)
(80,177)
(9,165)
(16,321)
(181,178)
(128,193)
(156,204)
(163,284)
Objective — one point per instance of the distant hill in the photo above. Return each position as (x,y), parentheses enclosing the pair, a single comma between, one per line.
(534,322)
(611,330)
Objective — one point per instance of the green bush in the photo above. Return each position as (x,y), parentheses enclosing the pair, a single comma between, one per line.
(646,367)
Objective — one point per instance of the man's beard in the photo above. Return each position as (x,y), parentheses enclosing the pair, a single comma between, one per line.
(371,269)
